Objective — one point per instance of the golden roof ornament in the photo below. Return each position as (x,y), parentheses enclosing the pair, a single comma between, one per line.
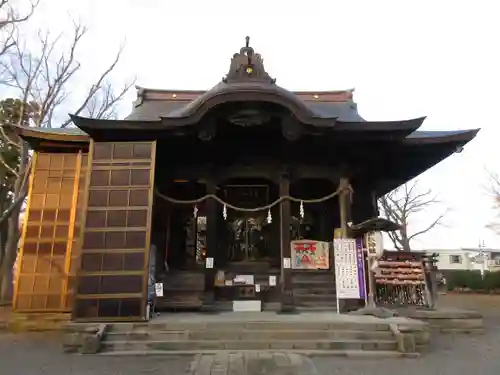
(247,66)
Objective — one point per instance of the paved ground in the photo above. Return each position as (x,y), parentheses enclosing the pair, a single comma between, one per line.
(37,354)
(451,355)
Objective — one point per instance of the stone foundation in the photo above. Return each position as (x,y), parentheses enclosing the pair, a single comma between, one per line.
(18,322)
(84,339)
(447,320)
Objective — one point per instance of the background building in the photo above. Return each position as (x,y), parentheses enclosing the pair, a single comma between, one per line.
(463,259)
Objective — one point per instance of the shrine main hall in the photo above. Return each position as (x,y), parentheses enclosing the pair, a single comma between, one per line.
(203,192)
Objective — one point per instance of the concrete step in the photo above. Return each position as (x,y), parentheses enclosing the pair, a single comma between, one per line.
(249,335)
(271,306)
(359,354)
(169,345)
(316,308)
(303,283)
(321,305)
(290,325)
(318,280)
(315,291)
(316,297)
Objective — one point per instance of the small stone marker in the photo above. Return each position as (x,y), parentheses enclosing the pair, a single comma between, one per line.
(252,363)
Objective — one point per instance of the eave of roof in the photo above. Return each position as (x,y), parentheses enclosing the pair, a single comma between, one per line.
(429,137)
(53,138)
(419,152)
(52,134)
(460,137)
(374,224)
(321,108)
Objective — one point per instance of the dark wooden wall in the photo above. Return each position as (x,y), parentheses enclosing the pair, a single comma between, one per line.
(112,282)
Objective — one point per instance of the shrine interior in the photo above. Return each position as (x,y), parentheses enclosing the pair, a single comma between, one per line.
(245,240)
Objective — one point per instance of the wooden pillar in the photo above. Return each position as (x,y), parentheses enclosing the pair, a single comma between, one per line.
(345,207)
(430,281)
(211,250)
(287,304)
(345,217)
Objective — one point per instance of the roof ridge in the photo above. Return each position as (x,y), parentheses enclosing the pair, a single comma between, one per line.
(142,89)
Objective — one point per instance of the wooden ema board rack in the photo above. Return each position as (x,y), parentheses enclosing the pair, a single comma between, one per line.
(400,270)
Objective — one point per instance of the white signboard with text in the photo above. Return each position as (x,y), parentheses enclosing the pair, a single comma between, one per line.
(347,270)
(374,244)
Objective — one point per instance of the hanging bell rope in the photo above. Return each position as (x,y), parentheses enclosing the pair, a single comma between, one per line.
(339,190)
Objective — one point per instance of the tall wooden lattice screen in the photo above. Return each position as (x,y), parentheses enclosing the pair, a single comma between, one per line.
(75,255)
(47,258)
(112,282)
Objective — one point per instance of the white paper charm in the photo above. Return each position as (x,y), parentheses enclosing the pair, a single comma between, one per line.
(159,289)
(209,263)
(287,263)
(257,288)
(272,280)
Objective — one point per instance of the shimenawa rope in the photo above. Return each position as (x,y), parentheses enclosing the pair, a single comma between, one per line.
(256,209)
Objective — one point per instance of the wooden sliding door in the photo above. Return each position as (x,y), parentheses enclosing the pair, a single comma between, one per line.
(48,257)
(112,281)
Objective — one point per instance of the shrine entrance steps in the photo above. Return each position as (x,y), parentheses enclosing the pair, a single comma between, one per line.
(314,290)
(306,333)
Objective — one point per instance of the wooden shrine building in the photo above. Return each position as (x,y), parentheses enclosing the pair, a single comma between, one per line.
(210,186)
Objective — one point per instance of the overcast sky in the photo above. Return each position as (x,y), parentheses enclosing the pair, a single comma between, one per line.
(435,58)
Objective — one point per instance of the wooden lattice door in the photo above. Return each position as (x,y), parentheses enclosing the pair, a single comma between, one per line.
(49,255)
(112,281)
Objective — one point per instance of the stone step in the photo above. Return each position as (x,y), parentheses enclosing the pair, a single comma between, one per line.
(176,326)
(249,335)
(316,298)
(162,345)
(316,308)
(320,305)
(313,281)
(360,354)
(314,290)
(271,306)
(296,285)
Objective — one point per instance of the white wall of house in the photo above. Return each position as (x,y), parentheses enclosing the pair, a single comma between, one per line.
(454,260)
(464,259)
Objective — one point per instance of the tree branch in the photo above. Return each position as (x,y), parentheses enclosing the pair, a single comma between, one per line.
(108,98)
(435,223)
(494,192)
(12,16)
(403,203)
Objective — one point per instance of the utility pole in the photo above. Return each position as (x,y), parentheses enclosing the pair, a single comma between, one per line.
(482,254)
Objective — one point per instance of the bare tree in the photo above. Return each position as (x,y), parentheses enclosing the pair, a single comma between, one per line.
(43,75)
(10,17)
(401,205)
(494,191)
